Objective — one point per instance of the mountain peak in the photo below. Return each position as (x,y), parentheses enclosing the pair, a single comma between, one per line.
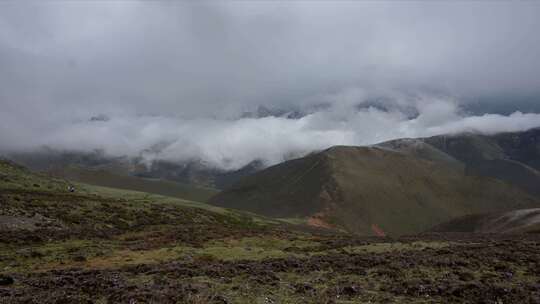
(358,188)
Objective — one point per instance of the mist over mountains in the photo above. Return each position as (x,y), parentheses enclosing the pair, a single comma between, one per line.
(266,136)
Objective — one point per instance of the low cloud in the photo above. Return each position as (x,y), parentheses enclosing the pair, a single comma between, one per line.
(233,143)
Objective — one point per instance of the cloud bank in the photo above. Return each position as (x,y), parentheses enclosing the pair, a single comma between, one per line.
(174,78)
(232,144)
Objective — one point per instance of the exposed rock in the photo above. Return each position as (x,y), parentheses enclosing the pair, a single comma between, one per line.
(6,280)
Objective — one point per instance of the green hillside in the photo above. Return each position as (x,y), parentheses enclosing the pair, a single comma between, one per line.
(105,178)
(43,204)
(366,190)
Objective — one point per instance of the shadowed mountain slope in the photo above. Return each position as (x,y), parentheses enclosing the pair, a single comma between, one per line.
(371,190)
(511,157)
(194,173)
(517,221)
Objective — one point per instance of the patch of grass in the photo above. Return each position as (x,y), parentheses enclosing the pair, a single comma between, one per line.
(394,246)
(115,253)
(120,258)
(143,197)
(45,256)
(244,253)
(254,248)
(295,220)
(250,248)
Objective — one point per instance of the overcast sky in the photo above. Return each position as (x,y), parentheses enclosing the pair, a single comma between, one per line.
(180,74)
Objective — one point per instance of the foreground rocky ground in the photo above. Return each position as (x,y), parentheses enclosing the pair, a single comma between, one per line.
(286,269)
(100,245)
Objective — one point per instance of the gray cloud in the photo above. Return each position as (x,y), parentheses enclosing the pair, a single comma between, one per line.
(182,73)
(232,144)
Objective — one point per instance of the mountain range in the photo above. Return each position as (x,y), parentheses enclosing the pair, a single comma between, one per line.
(372,190)
(511,157)
(401,186)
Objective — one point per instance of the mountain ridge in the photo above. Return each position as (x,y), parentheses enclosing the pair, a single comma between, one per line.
(513,157)
(359,188)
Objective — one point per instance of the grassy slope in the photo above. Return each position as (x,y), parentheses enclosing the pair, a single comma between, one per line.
(108,179)
(287,190)
(356,188)
(37,203)
(15,178)
(401,194)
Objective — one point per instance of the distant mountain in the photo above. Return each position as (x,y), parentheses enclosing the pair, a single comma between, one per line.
(47,159)
(194,173)
(511,157)
(517,221)
(372,190)
(263,111)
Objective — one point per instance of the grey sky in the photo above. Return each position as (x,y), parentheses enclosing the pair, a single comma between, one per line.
(188,63)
